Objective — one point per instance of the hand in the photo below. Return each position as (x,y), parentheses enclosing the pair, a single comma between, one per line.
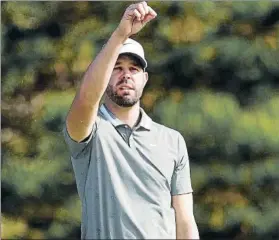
(135,18)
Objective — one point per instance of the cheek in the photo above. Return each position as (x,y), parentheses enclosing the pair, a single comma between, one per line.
(142,83)
(139,87)
(113,81)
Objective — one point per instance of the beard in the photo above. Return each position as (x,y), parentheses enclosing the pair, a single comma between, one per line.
(124,100)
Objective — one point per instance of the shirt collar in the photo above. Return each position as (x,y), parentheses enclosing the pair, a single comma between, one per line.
(145,120)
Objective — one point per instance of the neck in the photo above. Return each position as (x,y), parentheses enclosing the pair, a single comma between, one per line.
(128,115)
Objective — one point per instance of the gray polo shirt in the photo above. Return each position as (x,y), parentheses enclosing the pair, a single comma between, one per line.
(125,178)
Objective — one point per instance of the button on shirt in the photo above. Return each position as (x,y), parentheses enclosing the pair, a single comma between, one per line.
(126,176)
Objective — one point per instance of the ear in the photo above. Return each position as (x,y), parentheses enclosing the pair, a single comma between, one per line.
(145,77)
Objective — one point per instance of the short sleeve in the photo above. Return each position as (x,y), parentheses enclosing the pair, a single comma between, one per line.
(76,148)
(181,179)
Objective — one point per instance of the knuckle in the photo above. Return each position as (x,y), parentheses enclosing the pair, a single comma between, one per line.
(141,7)
(131,6)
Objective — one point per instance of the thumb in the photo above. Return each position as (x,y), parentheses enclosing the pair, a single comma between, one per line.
(148,18)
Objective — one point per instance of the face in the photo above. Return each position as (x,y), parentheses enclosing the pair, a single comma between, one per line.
(127,81)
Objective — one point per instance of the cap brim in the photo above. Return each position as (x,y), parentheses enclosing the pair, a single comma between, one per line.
(142,61)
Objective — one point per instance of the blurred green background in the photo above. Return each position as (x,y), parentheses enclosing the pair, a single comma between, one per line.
(214,76)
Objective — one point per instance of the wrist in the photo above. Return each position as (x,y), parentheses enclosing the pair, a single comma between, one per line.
(118,34)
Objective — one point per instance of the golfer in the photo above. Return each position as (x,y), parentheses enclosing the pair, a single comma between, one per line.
(132,174)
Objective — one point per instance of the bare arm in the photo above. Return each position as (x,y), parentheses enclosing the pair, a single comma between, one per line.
(186,227)
(83,112)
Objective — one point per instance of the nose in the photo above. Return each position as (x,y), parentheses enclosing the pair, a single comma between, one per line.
(126,75)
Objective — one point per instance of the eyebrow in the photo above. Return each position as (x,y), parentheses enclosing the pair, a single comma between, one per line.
(135,63)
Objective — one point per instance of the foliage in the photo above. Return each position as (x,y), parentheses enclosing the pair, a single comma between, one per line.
(214,74)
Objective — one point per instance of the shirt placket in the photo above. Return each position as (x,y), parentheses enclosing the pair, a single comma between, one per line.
(128,136)
(132,140)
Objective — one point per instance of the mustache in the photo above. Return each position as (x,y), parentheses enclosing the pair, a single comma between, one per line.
(125,81)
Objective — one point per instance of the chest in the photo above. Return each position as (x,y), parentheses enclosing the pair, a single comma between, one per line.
(144,153)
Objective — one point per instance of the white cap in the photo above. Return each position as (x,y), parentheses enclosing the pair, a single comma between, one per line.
(134,48)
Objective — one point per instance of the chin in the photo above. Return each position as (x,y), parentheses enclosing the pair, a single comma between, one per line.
(127,96)
(122,98)
(126,105)
(126,101)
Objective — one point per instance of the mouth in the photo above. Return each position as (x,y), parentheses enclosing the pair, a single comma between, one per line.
(126,87)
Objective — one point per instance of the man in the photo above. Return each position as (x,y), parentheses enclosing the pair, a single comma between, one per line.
(132,174)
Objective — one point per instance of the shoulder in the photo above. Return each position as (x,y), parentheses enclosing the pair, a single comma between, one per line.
(102,120)
(171,138)
(171,133)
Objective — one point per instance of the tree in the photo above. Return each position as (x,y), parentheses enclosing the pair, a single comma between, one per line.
(213,76)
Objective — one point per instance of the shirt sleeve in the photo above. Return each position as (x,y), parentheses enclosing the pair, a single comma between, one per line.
(76,148)
(181,179)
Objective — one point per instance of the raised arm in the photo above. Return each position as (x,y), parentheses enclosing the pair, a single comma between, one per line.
(83,112)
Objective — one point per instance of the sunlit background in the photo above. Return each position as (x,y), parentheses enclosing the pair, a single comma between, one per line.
(214,76)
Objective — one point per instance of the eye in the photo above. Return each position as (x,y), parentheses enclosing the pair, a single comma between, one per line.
(117,68)
(134,69)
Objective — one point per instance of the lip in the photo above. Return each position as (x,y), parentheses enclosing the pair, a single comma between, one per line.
(126,86)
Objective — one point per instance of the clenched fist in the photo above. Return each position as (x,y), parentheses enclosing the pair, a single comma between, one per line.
(135,18)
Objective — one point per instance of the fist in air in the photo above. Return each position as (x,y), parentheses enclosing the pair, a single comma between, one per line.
(135,18)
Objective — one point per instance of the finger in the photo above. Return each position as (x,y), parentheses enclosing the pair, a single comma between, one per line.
(131,7)
(140,8)
(146,9)
(137,14)
(147,18)
(152,12)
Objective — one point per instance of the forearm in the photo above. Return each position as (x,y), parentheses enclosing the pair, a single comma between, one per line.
(97,76)
(83,112)
(187,229)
